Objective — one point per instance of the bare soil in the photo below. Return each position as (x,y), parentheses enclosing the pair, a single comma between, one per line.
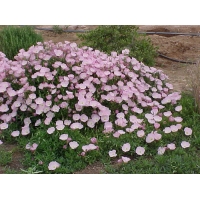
(185,48)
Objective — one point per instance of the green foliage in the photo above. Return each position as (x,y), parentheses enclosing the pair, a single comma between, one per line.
(57,29)
(117,38)
(5,157)
(13,38)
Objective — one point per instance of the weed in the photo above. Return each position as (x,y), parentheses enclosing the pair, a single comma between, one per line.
(57,29)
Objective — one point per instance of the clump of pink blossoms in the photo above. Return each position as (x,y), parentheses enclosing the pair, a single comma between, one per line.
(72,80)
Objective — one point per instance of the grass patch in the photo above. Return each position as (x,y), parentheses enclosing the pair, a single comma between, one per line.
(5,157)
(13,38)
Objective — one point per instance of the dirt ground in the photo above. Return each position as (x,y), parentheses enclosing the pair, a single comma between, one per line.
(185,48)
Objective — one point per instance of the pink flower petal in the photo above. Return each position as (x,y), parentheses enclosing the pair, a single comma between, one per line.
(73,145)
(126,147)
(112,153)
(125,159)
(140,150)
(188,131)
(185,144)
(63,137)
(53,165)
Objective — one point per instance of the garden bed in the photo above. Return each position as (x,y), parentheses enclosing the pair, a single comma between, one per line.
(185,48)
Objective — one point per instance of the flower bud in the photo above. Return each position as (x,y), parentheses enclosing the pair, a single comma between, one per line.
(93,140)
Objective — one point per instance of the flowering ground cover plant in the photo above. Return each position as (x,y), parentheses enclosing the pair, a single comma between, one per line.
(70,106)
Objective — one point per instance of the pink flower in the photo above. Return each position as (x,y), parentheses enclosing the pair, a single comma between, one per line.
(108,125)
(28,146)
(32,96)
(53,165)
(112,153)
(130,130)
(63,137)
(17,104)
(161,150)
(95,117)
(92,147)
(156,95)
(11,92)
(59,122)
(82,153)
(85,148)
(178,119)
(38,122)
(188,131)
(47,121)
(73,145)
(33,147)
(171,119)
(150,138)
(4,108)
(167,114)
(140,150)
(64,83)
(125,107)
(3,126)
(89,147)
(76,117)
(116,134)
(120,160)
(174,128)
(152,118)
(171,146)
(69,139)
(15,133)
(58,52)
(40,162)
(120,115)
(126,147)
(185,144)
(90,123)
(93,140)
(27,121)
(105,118)
(82,102)
(39,101)
(156,125)
(179,126)
(140,133)
(60,127)
(167,130)
(25,130)
(125,159)
(178,108)
(76,126)
(67,122)
(125,51)
(157,136)
(84,118)
(121,122)
(50,130)
(1,142)
(55,108)
(48,103)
